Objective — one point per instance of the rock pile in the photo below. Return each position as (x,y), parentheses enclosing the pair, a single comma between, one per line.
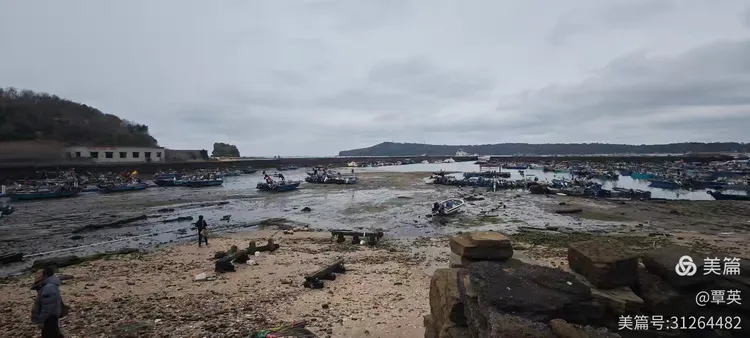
(488,293)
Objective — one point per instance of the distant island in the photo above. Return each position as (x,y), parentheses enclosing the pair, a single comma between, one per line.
(29,116)
(416,149)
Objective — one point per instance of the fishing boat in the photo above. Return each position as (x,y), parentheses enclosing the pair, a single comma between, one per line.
(231,173)
(448,207)
(173,182)
(249,170)
(664,184)
(641,176)
(278,187)
(728,197)
(130,186)
(44,193)
(626,172)
(198,183)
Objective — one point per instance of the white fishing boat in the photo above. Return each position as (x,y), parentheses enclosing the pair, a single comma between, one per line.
(448,207)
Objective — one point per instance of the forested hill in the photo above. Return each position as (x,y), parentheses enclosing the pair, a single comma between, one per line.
(26,115)
(414,149)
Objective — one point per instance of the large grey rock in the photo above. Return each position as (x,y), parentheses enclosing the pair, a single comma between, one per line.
(605,262)
(57,262)
(536,293)
(563,329)
(662,262)
(659,297)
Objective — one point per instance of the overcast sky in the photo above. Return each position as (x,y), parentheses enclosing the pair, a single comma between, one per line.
(293,77)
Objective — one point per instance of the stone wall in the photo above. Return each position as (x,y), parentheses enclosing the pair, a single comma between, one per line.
(487,292)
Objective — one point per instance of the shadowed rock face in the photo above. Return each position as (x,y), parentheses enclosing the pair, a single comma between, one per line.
(535,292)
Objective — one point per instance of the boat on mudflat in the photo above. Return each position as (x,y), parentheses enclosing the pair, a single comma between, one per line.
(448,207)
(174,182)
(278,187)
(664,184)
(110,188)
(204,183)
(641,176)
(728,197)
(58,192)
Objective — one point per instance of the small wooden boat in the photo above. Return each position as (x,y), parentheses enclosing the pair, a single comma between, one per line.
(110,188)
(728,197)
(204,183)
(278,187)
(449,207)
(59,192)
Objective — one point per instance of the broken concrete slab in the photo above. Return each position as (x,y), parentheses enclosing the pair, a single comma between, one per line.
(605,263)
(482,245)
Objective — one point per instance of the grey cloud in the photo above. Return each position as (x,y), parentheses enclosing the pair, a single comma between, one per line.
(314,77)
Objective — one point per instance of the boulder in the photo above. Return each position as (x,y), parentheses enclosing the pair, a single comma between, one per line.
(453,331)
(535,292)
(445,303)
(482,245)
(605,263)
(621,301)
(11,258)
(219,254)
(662,262)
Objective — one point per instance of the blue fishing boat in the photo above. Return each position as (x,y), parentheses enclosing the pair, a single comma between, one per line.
(278,187)
(664,184)
(110,188)
(204,183)
(641,176)
(57,192)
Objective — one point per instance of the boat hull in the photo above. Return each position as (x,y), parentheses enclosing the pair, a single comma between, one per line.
(278,187)
(114,189)
(43,195)
(727,197)
(199,184)
(169,183)
(457,204)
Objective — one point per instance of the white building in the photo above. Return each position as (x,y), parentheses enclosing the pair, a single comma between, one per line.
(116,154)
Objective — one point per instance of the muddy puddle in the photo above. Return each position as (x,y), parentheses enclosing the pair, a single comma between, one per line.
(398,203)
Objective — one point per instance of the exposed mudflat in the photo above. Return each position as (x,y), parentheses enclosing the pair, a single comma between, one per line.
(383,295)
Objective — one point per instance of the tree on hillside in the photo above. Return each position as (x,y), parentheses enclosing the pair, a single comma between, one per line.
(26,115)
(225,150)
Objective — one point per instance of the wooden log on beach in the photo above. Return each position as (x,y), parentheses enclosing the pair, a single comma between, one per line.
(314,280)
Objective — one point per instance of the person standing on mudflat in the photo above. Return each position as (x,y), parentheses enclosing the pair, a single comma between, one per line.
(48,307)
(201,225)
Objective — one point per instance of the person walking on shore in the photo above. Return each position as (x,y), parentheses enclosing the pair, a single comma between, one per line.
(48,307)
(202,231)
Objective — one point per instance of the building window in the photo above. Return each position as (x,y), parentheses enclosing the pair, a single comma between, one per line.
(147,154)
(123,154)
(94,154)
(158,154)
(78,154)
(108,154)
(136,154)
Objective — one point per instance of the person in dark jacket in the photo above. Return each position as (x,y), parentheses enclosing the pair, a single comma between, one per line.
(201,225)
(48,305)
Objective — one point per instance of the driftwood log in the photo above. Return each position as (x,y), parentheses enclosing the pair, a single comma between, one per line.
(315,279)
(372,237)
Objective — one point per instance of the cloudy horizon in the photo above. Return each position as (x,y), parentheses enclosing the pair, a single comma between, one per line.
(320,76)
